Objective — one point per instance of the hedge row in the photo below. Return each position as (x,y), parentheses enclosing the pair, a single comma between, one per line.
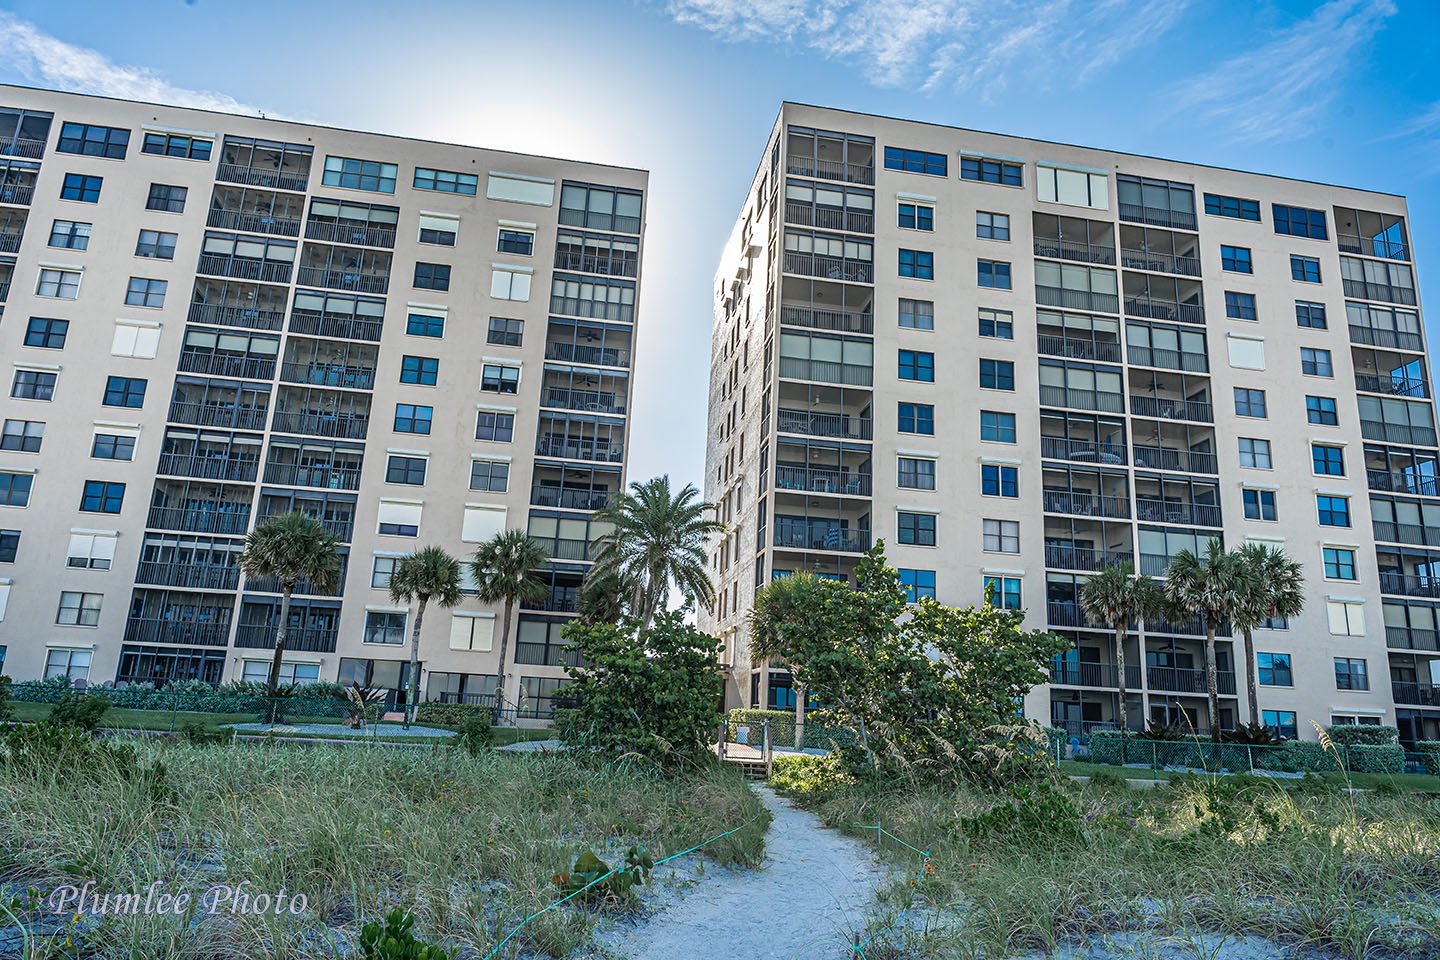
(450,714)
(782,729)
(1429,751)
(1356,735)
(239,696)
(1293,756)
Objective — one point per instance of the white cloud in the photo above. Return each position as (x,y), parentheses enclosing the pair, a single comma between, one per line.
(934,44)
(1277,90)
(50,62)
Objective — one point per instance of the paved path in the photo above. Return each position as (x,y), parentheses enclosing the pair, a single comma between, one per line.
(814,890)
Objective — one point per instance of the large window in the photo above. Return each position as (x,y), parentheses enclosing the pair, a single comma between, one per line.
(432,276)
(359,174)
(919,264)
(997,374)
(992,226)
(1236,259)
(81,188)
(1311,315)
(1327,460)
(1282,723)
(1351,674)
(1299,222)
(917,418)
(1347,618)
(33,385)
(445,181)
(917,365)
(167,198)
(992,171)
(1321,410)
(146,292)
(408,470)
(915,216)
(70,235)
(1249,403)
(1315,362)
(1000,536)
(15,489)
(1332,511)
(1003,592)
(1273,670)
(74,664)
(46,332)
(22,436)
(425,325)
(102,497)
(93,140)
(1255,453)
(1079,188)
(917,314)
(1339,563)
(1234,207)
(499,427)
(915,529)
(384,626)
(997,427)
(60,284)
(79,609)
(492,476)
(413,418)
(916,161)
(917,584)
(915,473)
(999,324)
(600,208)
(124,392)
(999,481)
(421,370)
(1305,269)
(9,546)
(505,333)
(156,244)
(1259,504)
(499,378)
(177,145)
(1240,306)
(992,273)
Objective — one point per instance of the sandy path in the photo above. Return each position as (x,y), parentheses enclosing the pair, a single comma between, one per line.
(813,891)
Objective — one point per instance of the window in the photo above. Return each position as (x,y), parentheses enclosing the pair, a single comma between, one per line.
(991,171)
(470,631)
(1233,207)
(61,284)
(915,529)
(1236,259)
(1310,315)
(997,427)
(919,264)
(997,374)
(15,489)
(381,570)
(432,276)
(999,481)
(1003,592)
(78,609)
(916,161)
(1001,536)
(70,235)
(1281,722)
(102,497)
(599,208)
(413,418)
(1259,504)
(917,314)
(1350,720)
(916,474)
(1255,453)
(167,198)
(992,226)
(1315,362)
(1249,403)
(1333,511)
(917,418)
(1245,352)
(91,551)
(492,476)
(509,284)
(421,370)
(506,333)
(1347,618)
(1240,306)
(1079,188)
(520,242)
(154,243)
(24,436)
(1321,410)
(399,518)
(497,378)
(175,145)
(384,626)
(409,470)
(144,292)
(1273,670)
(1305,269)
(9,545)
(438,230)
(1299,222)
(1339,563)
(916,216)
(47,333)
(1350,674)
(93,140)
(113,446)
(74,664)
(124,392)
(291,673)
(917,365)
(81,188)
(499,427)
(999,324)
(917,584)
(356,174)
(33,385)
(142,340)
(444,181)
(993,273)
(1327,460)
(424,325)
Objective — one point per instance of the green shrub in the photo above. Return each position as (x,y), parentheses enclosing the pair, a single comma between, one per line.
(1109,778)
(40,691)
(744,716)
(1357,735)
(42,749)
(1105,746)
(598,881)
(1302,756)
(197,733)
(450,714)
(1376,758)
(1058,742)
(396,940)
(1429,751)
(1035,813)
(807,773)
(82,710)
(475,736)
(6,710)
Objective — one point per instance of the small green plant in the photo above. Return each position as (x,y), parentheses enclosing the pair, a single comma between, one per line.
(197,733)
(274,709)
(82,710)
(1251,734)
(804,773)
(7,710)
(1035,812)
(1109,779)
(475,736)
(396,940)
(594,876)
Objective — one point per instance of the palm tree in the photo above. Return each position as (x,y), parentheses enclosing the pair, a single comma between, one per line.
(780,605)
(1116,595)
(599,600)
(1210,588)
(656,539)
(428,574)
(504,568)
(291,547)
(1275,589)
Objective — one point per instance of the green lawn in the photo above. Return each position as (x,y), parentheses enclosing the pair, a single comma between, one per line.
(1413,783)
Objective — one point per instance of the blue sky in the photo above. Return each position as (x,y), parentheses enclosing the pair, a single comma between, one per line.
(1346,91)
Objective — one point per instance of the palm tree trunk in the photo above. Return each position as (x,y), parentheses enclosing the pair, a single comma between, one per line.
(1124,716)
(504,648)
(800,697)
(272,686)
(414,692)
(1250,690)
(1212,683)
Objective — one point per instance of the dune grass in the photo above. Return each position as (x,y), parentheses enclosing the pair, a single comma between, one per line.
(468,843)
(1401,782)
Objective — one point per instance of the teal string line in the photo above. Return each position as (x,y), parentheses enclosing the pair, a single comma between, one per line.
(880,831)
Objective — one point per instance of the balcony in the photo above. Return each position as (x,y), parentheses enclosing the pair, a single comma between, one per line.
(1070,250)
(244,366)
(10,242)
(814,480)
(209,467)
(1194,627)
(1412,638)
(556,600)
(1180,461)
(343,280)
(1409,584)
(1071,299)
(253,636)
(195,633)
(1392,386)
(271,175)
(1060,556)
(1402,483)
(245,268)
(26,147)
(1421,694)
(323,475)
(565,498)
(253,223)
(1077,349)
(826,371)
(829,218)
(1185,680)
(228,315)
(227,518)
(1171,310)
(318,424)
(4,290)
(1377,246)
(1155,510)
(1367,290)
(19,194)
(1185,266)
(1415,533)
(830,169)
(1073,399)
(302,587)
(337,327)
(1081,729)
(829,268)
(600,450)
(192,575)
(1157,216)
(594,401)
(1068,613)
(583,353)
(1073,673)
(208,414)
(838,425)
(1417,435)
(799,534)
(1386,339)
(1084,503)
(1164,408)
(1087,451)
(367,235)
(843,321)
(350,377)
(1167,359)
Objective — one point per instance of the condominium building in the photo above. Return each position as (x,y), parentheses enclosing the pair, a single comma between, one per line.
(1017,362)
(213,319)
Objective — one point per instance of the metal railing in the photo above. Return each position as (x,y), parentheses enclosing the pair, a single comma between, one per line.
(1156,217)
(342,280)
(1164,408)
(844,321)
(805,536)
(1077,349)
(1052,396)
(1171,310)
(1409,584)
(206,467)
(829,268)
(1085,504)
(1170,458)
(1089,451)
(298,639)
(594,401)
(1372,246)
(1412,638)
(822,481)
(328,375)
(234,173)
(823,424)
(218,415)
(361,234)
(1186,680)
(200,633)
(564,549)
(1194,627)
(1076,299)
(581,353)
(342,528)
(1392,385)
(558,600)
(224,315)
(324,476)
(1057,249)
(303,587)
(1386,339)
(25,147)
(567,499)
(1077,673)
(1411,435)
(338,328)
(4,291)
(1418,693)
(197,576)
(1365,290)
(340,427)
(1065,613)
(1167,359)
(1156,510)
(10,242)
(1416,533)
(1063,557)
(826,371)
(227,365)
(242,268)
(194,520)
(1135,259)
(253,223)
(830,169)
(829,218)
(1402,483)
(19,194)
(599,451)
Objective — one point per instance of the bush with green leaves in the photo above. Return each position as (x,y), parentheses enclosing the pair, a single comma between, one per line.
(1376,758)
(475,736)
(6,709)
(82,710)
(449,714)
(1356,735)
(395,940)
(49,690)
(750,717)
(1034,813)
(804,773)
(593,879)
(197,733)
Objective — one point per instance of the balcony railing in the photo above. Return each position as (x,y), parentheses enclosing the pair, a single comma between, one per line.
(242,268)
(25,147)
(342,527)
(1063,557)
(1083,503)
(1181,461)
(1156,217)
(1167,359)
(254,636)
(1170,310)
(1416,533)
(340,427)
(1077,349)
(1422,694)
(830,268)
(1372,246)
(198,576)
(828,218)
(1074,673)
(234,173)
(10,242)
(1392,386)
(1133,259)
(1386,339)
(328,375)
(581,353)
(1402,483)
(218,415)
(1185,680)
(204,467)
(234,521)
(826,371)
(1412,435)
(565,498)
(805,536)
(1052,396)
(19,194)
(1066,613)
(195,633)
(225,315)
(227,365)
(324,476)
(602,451)
(822,481)
(558,600)
(844,321)
(1089,451)
(253,223)
(338,328)
(823,424)
(4,291)
(1081,729)
(595,401)
(1365,290)
(1194,627)
(1409,584)
(830,169)
(1155,510)
(350,233)
(1164,408)
(1076,299)
(342,280)
(1070,250)
(1412,638)
(303,587)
